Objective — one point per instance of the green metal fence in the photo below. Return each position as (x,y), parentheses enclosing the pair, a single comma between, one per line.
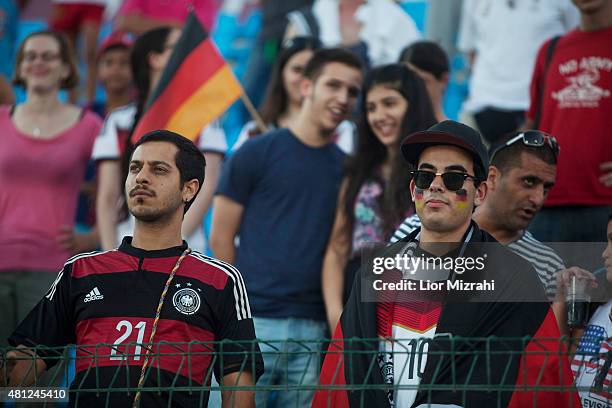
(459,365)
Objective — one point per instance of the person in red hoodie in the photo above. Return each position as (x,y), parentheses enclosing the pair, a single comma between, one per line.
(571,98)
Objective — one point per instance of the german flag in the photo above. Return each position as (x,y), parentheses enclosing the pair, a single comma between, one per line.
(196,87)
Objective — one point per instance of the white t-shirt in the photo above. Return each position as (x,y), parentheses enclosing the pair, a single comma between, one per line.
(385,27)
(345,135)
(108,144)
(506,40)
(407,354)
(404,356)
(589,363)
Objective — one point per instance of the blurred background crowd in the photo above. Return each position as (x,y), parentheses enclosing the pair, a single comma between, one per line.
(73,95)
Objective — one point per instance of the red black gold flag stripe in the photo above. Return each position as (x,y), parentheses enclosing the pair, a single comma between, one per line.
(196,87)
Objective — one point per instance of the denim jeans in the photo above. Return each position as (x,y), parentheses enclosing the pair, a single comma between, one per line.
(293,363)
(571,223)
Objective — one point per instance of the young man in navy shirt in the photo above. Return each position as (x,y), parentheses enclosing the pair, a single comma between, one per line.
(278,193)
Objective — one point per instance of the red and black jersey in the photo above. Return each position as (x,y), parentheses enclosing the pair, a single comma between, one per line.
(111,298)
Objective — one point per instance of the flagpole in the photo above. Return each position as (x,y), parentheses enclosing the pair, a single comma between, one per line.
(253,112)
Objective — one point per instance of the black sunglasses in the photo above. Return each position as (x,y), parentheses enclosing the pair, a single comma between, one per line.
(533,138)
(453,181)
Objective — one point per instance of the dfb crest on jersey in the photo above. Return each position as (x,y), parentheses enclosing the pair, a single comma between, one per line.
(186,301)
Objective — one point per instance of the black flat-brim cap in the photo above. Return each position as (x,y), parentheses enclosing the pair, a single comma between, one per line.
(447,132)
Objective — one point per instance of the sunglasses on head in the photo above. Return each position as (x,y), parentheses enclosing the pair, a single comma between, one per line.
(453,181)
(302,42)
(533,138)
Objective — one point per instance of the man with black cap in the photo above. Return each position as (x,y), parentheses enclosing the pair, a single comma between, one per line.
(454,152)
(419,326)
(522,170)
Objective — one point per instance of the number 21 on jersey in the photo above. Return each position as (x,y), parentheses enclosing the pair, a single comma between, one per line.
(125,329)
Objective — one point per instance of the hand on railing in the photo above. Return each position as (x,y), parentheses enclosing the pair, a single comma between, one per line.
(20,367)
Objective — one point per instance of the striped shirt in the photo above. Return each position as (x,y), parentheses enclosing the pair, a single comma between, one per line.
(110,298)
(544,259)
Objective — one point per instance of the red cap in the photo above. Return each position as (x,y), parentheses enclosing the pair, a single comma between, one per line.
(116,38)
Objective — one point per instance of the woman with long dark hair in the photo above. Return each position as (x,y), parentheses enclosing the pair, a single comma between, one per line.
(46,145)
(283,98)
(149,56)
(374,198)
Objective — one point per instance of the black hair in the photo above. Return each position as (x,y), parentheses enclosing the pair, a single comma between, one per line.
(189,159)
(370,153)
(509,157)
(479,173)
(326,56)
(152,41)
(427,56)
(276,100)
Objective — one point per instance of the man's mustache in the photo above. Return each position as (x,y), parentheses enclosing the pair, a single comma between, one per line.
(141,190)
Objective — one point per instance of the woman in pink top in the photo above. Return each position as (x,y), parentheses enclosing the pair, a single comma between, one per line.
(44,150)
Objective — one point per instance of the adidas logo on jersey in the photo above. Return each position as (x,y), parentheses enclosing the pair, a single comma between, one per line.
(93,295)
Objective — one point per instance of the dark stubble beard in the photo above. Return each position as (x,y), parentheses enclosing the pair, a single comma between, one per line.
(154,215)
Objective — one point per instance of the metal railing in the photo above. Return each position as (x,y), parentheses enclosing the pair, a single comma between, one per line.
(178,372)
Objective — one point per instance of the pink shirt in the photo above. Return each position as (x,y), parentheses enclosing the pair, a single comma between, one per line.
(40,182)
(172,11)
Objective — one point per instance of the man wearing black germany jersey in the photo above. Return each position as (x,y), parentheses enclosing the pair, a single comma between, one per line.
(150,306)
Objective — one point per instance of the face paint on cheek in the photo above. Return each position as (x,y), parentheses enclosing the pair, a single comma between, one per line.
(461,198)
(418,197)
